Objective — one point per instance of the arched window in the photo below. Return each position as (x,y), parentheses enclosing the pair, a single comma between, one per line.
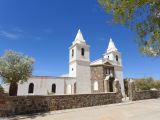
(116,57)
(72,52)
(82,51)
(95,85)
(31,88)
(53,88)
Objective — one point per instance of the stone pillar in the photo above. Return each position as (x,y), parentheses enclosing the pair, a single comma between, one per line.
(131,90)
(117,88)
(106,85)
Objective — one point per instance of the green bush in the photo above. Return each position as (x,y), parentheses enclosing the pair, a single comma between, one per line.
(147,84)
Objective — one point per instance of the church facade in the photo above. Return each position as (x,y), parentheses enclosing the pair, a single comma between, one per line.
(84,77)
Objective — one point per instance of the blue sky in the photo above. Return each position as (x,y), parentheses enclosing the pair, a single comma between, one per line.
(44,29)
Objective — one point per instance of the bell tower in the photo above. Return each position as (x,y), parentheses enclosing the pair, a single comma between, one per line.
(114,56)
(79,64)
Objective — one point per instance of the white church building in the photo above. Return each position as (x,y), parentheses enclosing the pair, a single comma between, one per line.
(84,76)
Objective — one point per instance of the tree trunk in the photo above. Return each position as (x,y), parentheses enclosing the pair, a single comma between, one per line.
(13,89)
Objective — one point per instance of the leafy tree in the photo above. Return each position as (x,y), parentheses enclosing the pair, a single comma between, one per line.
(142,16)
(15,67)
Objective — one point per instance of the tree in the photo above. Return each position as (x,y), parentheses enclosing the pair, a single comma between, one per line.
(1,89)
(142,16)
(15,67)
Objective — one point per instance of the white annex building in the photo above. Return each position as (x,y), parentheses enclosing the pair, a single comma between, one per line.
(84,76)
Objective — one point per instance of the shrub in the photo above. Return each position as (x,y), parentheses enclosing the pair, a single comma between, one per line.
(147,84)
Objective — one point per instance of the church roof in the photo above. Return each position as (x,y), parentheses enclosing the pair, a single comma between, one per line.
(111,46)
(97,62)
(79,38)
(65,75)
(105,60)
(101,62)
(51,77)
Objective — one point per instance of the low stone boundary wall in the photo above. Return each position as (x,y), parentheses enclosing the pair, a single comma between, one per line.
(16,105)
(34,104)
(141,95)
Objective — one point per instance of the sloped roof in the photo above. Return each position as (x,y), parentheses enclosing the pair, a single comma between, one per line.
(79,38)
(111,46)
(97,62)
(101,62)
(51,77)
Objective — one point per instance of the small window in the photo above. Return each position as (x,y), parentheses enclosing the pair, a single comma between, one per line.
(82,51)
(116,57)
(31,88)
(72,52)
(96,85)
(53,88)
(72,69)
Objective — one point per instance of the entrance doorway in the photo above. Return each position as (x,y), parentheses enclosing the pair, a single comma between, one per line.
(111,81)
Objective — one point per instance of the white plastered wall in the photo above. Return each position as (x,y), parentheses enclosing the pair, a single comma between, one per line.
(70,86)
(41,86)
(83,79)
(119,76)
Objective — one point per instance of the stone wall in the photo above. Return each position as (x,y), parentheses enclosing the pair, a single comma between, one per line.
(97,74)
(34,104)
(141,95)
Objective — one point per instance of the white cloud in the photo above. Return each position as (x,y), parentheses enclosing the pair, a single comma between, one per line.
(15,33)
(9,35)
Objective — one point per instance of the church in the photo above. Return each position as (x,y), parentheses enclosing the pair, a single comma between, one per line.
(84,76)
